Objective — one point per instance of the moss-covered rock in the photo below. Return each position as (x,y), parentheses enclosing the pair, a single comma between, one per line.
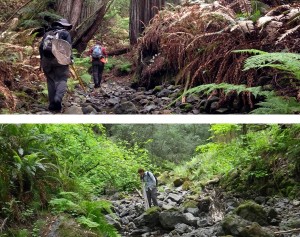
(253,212)
(151,216)
(157,89)
(189,204)
(255,230)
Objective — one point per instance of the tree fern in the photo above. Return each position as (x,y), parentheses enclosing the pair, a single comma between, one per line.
(288,62)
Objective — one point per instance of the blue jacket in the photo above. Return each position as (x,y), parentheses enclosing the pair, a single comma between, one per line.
(149,180)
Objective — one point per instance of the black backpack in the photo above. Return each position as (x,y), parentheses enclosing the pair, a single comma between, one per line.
(154,177)
(47,43)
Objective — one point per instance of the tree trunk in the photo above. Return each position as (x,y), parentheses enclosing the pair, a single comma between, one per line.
(141,13)
(86,18)
(76,12)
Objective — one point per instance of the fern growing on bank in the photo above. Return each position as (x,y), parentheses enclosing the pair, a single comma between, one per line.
(288,62)
(277,105)
(227,88)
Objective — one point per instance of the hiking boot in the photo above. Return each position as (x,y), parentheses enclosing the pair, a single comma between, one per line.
(55,107)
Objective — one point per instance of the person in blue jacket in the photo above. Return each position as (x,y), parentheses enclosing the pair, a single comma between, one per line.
(149,182)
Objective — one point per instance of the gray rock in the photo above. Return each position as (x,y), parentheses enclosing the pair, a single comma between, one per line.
(194,211)
(113,101)
(73,110)
(89,110)
(191,220)
(111,220)
(183,228)
(164,93)
(174,197)
(167,206)
(125,108)
(169,219)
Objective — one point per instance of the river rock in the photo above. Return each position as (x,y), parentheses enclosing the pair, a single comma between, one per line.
(125,108)
(169,219)
(174,197)
(252,211)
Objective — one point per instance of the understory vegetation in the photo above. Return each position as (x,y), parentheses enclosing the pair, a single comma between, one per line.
(64,172)
(260,159)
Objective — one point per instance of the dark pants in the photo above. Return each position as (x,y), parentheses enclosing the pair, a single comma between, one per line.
(57,76)
(152,196)
(97,68)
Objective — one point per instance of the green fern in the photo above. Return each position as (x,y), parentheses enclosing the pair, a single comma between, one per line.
(277,105)
(227,88)
(288,62)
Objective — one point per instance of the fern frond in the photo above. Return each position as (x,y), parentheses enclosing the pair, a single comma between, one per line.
(289,62)
(250,51)
(287,33)
(227,88)
(277,105)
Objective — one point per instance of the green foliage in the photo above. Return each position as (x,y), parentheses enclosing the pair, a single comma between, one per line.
(277,105)
(225,87)
(35,13)
(59,205)
(120,64)
(174,143)
(287,62)
(90,214)
(248,160)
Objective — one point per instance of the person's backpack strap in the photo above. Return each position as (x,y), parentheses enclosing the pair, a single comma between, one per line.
(147,173)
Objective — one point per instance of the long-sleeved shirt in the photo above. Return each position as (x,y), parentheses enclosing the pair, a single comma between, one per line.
(149,180)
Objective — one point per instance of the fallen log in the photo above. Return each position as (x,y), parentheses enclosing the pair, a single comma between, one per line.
(118,51)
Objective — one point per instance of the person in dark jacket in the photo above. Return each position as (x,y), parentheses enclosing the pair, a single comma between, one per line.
(55,73)
(149,183)
(98,62)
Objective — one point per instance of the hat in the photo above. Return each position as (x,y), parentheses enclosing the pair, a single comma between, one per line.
(63,22)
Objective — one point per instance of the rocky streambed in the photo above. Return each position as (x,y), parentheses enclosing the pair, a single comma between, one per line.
(120,98)
(212,213)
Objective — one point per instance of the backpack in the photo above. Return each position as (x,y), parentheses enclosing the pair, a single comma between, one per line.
(97,52)
(47,43)
(156,182)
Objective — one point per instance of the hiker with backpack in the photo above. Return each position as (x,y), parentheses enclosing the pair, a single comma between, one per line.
(149,183)
(98,58)
(55,52)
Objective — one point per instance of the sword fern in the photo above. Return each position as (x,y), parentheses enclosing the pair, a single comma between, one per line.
(288,62)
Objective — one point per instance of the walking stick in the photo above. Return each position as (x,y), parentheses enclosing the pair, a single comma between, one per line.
(78,78)
(145,197)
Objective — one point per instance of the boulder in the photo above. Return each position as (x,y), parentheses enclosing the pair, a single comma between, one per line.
(169,219)
(125,108)
(253,212)
(174,197)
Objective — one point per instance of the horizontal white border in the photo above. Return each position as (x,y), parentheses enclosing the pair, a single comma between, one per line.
(149,119)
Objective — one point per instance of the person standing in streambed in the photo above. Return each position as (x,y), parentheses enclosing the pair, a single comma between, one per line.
(149,182)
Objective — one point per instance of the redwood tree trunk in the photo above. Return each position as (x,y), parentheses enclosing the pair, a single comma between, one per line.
(85,16)
(141,12)
(76,12)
